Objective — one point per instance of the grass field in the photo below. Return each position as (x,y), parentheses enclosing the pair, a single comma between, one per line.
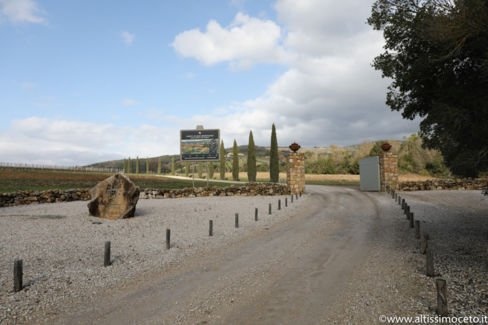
(12,180)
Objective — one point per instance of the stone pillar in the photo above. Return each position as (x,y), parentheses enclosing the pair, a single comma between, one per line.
(388,171)
(295,172)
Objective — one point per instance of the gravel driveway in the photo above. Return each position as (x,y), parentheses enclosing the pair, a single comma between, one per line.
(335,256)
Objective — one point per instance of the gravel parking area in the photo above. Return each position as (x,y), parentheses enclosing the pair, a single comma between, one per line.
(62,246)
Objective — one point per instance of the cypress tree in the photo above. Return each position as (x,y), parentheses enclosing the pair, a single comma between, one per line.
(274,167)
(129,166)
(173,168)
(147,165)
(187,169)
(222,160)
(137,165)
(200,169)
(159,165)
(235,162)
(210,170)
(251,159)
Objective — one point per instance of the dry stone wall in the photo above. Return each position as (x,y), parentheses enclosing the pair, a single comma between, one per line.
(54,196)
(36,197)
(252,189)
(445,184)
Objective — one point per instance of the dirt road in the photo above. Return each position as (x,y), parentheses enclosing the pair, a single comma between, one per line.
(290,273)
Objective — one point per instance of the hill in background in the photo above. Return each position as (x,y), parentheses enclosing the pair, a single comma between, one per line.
(412,158)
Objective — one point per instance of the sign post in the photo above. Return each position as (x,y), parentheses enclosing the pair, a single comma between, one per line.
(199,145)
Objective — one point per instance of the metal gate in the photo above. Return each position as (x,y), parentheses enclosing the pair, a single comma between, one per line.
(369,174)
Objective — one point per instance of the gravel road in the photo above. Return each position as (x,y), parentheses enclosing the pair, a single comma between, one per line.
(335,256)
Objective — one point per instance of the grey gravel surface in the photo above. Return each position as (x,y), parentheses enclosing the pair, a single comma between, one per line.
(337,256)
(392,281)
(62,246)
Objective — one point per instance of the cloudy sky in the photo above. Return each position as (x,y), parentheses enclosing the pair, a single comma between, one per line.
(86,81)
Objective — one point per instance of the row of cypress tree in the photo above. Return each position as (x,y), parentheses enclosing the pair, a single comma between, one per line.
(274,168)
(251,161)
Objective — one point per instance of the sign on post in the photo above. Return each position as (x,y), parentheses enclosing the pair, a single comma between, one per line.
(199,145)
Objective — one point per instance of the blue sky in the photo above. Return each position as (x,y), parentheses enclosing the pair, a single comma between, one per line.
(84,81)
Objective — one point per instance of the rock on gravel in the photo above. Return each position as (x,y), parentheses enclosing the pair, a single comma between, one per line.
(62,246)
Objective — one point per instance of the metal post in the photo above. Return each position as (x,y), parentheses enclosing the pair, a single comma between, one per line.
(18,274)
(106,255)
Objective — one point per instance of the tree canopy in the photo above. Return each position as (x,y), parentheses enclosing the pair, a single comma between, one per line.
(436,53)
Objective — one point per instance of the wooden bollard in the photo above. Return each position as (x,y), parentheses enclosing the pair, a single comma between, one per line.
(417,229)
(300,194)
(393,194)
(441,287)
(256,214)
(411,220)
(429,262)
(106,254)
(403,204)
(425,243)
(18,274)
(399,200)
(168,238)
(292,198)
(279,204)
(286,202)
(210,227)
(237,220)
(407,211)
(269,209)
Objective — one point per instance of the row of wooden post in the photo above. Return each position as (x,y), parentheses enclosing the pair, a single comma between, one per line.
(18,264)
(441,285)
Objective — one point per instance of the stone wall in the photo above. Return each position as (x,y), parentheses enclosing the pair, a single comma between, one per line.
(252,189)
(36,197)
(295,172)
(54,196)
(388,171)
(445,184)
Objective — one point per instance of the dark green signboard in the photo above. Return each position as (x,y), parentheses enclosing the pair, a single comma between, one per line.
(199,145)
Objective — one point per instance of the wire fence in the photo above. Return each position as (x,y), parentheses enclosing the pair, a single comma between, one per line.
(54,167)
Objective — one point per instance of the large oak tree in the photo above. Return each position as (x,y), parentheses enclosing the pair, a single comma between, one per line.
(436,53)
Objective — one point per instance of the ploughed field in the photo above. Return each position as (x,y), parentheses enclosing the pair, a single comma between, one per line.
(12,180)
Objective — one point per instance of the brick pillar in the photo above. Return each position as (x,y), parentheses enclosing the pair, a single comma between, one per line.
(388,171)
(295,172)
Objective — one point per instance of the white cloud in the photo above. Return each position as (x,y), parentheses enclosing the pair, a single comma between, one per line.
(129,102)
(21,11)
(330,94)
(53,141)
(127,37)
(246,41)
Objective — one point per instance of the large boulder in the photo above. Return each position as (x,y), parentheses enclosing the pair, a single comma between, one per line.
(114,198)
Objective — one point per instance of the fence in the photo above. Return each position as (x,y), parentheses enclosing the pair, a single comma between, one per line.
(54,167)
